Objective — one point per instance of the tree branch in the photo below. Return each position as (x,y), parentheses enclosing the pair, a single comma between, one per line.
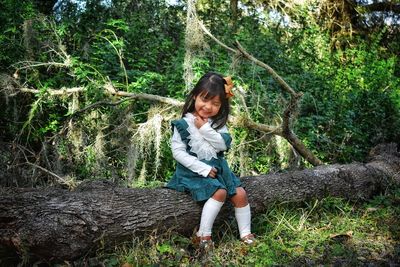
(61,91)
(270,70)
(67,91)
(285,129)
(246,122)
(206,31)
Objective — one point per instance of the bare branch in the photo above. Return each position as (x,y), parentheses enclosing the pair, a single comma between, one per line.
(67,91)
(32,64)
(61,91)
(162,99)
(59,178)
(270,70)
(246,122)
(268,129)
(291,137)
(285,129)
(214,38)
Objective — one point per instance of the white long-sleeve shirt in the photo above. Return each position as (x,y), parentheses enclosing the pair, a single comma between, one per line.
(205,142)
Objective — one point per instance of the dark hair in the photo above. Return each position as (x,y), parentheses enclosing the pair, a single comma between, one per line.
(211,85)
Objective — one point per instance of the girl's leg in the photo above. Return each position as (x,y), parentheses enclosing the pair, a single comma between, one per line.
(242,212)
(210,211)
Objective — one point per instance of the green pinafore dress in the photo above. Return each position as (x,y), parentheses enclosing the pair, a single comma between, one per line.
(202,188)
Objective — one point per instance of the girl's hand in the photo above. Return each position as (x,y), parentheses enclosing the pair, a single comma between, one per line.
(213,172)
(199,121)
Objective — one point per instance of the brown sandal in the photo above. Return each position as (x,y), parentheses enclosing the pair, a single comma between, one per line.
(249,240)
(204,243)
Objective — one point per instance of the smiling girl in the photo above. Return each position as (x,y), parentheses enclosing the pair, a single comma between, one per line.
(198,143)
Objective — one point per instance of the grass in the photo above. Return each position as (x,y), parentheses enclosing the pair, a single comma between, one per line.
(331,231)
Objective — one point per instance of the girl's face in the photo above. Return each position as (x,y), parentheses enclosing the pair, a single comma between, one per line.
(206,107)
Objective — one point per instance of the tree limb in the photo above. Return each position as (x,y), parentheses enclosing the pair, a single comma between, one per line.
(285,129)
(246,122)
(131,96)
(215,39)
(61,91)
(270,70)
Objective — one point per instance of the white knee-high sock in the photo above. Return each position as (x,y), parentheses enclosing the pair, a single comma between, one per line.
(243,218)
(210,211)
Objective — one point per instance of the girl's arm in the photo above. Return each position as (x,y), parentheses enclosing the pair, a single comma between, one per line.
(191,162)
(220,139)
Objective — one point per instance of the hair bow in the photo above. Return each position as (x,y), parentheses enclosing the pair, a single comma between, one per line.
(228,86)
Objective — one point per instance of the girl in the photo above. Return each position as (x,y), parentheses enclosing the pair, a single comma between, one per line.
(198,143)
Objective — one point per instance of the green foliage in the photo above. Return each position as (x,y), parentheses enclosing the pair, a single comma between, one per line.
(354,109)
(351,93)
(12,18)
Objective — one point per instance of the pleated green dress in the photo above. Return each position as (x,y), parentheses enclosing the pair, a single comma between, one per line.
(199,187)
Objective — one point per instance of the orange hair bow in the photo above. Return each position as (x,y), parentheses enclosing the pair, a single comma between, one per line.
(228,86)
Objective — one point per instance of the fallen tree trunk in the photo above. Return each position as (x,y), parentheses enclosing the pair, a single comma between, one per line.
(57,224)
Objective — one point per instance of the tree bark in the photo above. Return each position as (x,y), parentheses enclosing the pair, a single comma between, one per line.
(57,224)
(234,15)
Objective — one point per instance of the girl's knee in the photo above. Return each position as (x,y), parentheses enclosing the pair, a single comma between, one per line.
(220,195)
(240,198)
(241,193)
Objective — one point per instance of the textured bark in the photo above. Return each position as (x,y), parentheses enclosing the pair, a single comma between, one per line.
(56,224)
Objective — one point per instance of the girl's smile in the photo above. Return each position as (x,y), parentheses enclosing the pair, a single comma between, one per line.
(207,107)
